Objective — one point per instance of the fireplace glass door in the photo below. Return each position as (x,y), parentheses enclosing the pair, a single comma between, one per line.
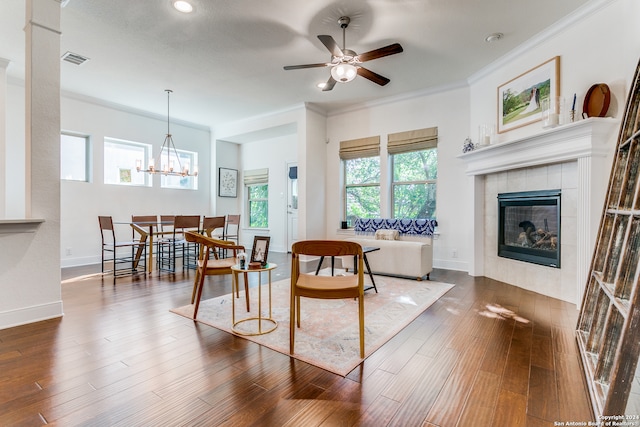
(529,227)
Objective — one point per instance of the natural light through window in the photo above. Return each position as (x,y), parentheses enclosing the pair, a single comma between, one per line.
(179,160)
(74,157)
(120,162)
(362,189)
(414,184)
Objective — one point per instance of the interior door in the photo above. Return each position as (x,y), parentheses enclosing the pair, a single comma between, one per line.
(292,204)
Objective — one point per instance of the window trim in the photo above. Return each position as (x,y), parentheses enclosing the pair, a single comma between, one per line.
(395,183)
(148,153)
(87,155)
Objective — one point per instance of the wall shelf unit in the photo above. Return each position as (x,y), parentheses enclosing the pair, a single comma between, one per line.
(608,329)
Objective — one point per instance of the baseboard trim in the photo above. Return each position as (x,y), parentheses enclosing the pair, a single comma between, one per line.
(32,314)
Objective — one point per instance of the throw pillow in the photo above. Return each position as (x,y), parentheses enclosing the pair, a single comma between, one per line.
(387,234)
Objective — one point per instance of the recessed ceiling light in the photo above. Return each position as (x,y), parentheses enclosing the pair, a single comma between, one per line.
(183,6)
(493,37)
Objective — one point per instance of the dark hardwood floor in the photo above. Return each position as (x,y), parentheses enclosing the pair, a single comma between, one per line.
(486,354)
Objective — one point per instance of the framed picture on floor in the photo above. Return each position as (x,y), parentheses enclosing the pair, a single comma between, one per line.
(520,99)
(227,182)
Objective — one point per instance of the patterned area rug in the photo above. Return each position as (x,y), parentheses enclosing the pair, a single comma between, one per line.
(328,336)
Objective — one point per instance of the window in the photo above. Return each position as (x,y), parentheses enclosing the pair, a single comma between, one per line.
(362,189)
(74,157)
(361,159)
(184,160)
(414,184)
(120,162)
(257,185)
(414,159)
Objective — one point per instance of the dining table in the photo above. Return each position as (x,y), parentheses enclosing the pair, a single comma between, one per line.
(154,229)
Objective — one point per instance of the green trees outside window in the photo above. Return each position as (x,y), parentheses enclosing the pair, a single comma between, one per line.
(414,184)
(258,205)
(362,177)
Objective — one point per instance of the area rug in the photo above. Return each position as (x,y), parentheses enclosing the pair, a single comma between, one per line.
(328,336)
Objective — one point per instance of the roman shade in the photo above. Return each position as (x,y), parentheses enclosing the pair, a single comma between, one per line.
(256,176)
(413,140)
(362,147)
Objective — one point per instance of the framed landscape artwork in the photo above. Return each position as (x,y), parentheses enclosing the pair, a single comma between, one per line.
(520,99)
(227,182)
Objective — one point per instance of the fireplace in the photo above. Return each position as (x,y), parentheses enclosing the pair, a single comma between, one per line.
(529,227)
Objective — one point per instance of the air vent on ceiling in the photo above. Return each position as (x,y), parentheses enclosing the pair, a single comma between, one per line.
(74,58)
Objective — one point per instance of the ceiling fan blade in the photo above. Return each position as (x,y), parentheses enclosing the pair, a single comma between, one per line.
(374,77)
(329,85)
(392,49)
(331,44)
(298,67)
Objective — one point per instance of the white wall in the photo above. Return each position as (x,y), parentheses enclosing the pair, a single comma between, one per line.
(273,154)
(449,112)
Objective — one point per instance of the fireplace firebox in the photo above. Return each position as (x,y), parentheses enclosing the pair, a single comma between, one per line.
(529,227)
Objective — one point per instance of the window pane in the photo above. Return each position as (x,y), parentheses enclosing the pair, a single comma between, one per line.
(362,171)
(74,157)
(414,200)
(120,163)
(184,160)
(363,202)
(415,166)
(259,191)
(258,205)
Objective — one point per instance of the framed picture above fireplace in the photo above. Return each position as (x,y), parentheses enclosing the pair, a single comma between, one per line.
(520,99)
(529,227)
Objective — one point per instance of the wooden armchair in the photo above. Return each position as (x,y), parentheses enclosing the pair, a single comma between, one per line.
(325,287)
(212,267)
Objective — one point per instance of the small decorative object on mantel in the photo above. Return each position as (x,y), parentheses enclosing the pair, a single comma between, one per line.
(468,145)
(596,101)
(486,134)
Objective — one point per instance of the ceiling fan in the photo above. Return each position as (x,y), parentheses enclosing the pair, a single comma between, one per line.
(345,63)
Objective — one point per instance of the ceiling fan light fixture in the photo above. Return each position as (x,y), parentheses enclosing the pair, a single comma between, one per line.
(183,6)
(344,73)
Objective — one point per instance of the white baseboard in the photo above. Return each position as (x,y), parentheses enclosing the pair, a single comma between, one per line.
(25,315)
(448,264)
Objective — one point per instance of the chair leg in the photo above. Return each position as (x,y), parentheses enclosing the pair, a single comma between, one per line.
(195,285)
(361,320)
(292,321)
(197,302)
(246,289)
(298,309)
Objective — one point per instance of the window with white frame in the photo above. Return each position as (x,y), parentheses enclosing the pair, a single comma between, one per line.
(120,162)
(256,184)
(179,160)
(361,160)
(74,157)
(414,159)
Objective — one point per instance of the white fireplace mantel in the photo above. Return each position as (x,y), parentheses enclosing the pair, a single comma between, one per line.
(584,138)
(587,142)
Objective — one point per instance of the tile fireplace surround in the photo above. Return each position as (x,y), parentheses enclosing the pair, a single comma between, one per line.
(575,158)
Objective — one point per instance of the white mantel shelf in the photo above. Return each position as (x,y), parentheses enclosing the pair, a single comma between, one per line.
(584,138)
(29,225)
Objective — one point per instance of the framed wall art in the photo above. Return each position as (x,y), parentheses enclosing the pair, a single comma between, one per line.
(227,182)
(520,99)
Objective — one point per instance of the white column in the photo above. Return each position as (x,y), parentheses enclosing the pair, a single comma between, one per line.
(4,64)
(476,264)
(583,225)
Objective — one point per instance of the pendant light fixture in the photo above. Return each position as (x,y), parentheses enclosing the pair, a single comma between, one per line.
(166,163)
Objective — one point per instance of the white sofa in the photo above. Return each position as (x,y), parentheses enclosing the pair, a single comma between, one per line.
(405,257)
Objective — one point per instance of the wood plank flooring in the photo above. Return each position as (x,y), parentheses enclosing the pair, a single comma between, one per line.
(486,354)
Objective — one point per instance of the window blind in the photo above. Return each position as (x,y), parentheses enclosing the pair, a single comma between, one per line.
(256,176)
(413,140)
(362,147)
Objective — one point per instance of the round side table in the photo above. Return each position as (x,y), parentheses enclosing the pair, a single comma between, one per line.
(259,318)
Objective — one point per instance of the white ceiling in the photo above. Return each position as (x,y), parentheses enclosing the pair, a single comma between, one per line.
(224,61)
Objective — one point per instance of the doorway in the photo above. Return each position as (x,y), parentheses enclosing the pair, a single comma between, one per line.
(292,204)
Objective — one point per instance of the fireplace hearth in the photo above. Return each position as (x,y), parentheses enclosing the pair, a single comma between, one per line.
(529,227)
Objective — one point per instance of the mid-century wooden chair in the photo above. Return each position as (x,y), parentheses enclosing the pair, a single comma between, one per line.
(325,287)
(213,267)
(124,256)
(175,246)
